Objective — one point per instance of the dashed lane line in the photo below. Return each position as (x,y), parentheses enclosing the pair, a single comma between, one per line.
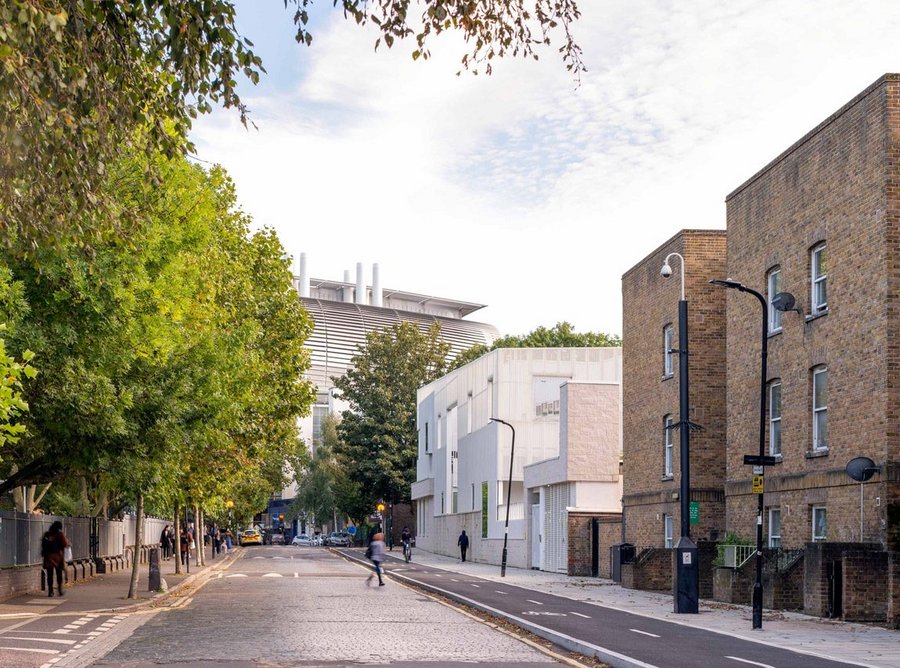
(36,651)
(578,614)
(58,641)
(752,663)
(497,591)
(535,602)
(644,633)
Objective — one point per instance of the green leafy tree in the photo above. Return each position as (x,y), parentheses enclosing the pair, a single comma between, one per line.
(12,405)
(84,83)
(561,335)
(378,437)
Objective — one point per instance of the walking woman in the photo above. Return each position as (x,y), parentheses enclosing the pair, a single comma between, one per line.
(53,546)
(165,543)
(376,554)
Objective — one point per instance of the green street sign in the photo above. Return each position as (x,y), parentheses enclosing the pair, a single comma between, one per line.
(695,512)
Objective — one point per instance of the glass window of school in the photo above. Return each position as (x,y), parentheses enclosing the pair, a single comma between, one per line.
(773,284)
(819,280)
(820,408)
(775,417)
(667,530)
(667,446)
(774,527)
(668,355)
(819,524)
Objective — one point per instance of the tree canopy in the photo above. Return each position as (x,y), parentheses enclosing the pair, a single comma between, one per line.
(561,335)
(378,437)
(84,82)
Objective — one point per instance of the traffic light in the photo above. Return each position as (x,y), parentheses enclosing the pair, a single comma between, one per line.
(281,518)
(380,507)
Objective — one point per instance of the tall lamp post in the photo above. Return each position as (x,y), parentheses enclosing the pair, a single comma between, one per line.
(783,301)
(686,592)
(512,450)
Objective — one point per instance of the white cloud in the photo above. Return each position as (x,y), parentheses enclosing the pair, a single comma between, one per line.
(521,191)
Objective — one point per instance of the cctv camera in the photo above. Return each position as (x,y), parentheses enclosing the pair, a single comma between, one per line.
(666,271)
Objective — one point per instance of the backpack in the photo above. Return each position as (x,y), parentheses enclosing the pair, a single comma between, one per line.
(49,544)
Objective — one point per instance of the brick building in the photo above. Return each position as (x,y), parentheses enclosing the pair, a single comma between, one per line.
(651,459)
(821,221)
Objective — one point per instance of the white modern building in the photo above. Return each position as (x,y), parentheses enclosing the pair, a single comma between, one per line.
(345,312)
(565,407)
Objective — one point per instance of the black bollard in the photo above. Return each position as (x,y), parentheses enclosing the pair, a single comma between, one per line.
(155,579)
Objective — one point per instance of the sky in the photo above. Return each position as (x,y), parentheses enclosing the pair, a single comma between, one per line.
(527,191)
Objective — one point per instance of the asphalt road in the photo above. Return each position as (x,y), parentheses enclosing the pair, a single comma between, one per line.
(298,606)
(621,638)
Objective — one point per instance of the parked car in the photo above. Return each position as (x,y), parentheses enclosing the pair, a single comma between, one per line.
(276,538)
(338,539)
(250,537)
(303,540)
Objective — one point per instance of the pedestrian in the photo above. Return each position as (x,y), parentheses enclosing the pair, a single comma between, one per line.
(217,542)
(375,552)
(185,547)
(229,541)
(463,543)
(53,548)
(164,543)
(171,542)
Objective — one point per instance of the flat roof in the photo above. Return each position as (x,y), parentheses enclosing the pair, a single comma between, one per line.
(464,308)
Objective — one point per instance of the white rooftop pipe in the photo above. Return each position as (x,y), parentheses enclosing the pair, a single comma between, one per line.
(347,291)
(360,284)
(376,286)
(304,277)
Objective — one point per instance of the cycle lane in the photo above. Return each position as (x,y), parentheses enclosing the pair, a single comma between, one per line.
(617,637)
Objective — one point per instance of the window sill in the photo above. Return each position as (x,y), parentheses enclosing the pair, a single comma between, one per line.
(667,477)
(778,458)
(813,454)
(667,376)
(816,316)
(775,333)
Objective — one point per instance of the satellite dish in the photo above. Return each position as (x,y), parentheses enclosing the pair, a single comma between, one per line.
(861,468)
(784,301)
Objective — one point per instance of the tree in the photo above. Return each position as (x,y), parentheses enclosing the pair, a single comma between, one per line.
(379,441)
(561,335)
(12,405)
(85,83)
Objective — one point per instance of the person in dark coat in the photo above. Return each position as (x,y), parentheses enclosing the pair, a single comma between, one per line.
(463,543)
(165,542)
(53,546)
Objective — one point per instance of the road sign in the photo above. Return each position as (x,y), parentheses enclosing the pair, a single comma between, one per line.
(351,531)
(761,460)
(695,512)
(758,481)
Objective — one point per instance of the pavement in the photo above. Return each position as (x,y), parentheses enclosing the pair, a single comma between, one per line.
(106,593)
(846,642)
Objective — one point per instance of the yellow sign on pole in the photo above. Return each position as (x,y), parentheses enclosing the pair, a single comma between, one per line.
(758,484)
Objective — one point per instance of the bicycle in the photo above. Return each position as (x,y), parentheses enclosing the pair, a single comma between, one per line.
(407,551)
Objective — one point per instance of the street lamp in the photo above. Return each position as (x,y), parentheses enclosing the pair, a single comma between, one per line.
(783,301)
(512,450)
(686,593)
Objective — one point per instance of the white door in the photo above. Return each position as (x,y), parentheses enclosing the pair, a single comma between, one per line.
(536,536)
(554,533)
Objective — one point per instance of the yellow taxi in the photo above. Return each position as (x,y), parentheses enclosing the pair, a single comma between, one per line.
(251,537)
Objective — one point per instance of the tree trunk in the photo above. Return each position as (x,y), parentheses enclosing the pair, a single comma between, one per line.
(177,547)
(138,540)
(201,530)
(198,537)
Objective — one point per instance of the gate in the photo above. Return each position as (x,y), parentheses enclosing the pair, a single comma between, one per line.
(834,571)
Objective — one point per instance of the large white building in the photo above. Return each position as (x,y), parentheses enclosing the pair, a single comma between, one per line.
(565,407)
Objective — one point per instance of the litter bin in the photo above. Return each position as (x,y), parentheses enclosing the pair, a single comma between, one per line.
(620,553)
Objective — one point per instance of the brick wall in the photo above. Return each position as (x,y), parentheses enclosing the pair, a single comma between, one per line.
(893,587)
(865,596)
(649,303)
(580,543)
(19,580)
(783,590)
(838,185)
(651,570)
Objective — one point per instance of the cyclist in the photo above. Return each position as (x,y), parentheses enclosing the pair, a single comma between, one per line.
(405,538)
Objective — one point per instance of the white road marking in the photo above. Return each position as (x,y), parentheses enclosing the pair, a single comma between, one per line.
(475,585)
(535,602)
(453,580)
(272,575)
(438,575)
(752,663)
(38,651)
(644,633)
(236,575)
(61,631)
(296,575)
(58,641)
(497,591)
(578,614)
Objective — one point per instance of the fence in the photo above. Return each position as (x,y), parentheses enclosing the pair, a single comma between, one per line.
(20,536)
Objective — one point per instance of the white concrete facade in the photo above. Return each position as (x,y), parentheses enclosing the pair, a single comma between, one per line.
(463,462)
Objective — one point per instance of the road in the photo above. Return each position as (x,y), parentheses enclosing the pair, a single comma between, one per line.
(621,637)
(275,606)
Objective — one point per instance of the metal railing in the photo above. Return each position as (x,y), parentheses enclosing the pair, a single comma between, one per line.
(735,556)
(20,536)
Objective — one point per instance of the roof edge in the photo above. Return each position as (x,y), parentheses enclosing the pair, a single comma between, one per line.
(681,233)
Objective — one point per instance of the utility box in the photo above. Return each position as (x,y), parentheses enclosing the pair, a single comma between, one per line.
(620,553)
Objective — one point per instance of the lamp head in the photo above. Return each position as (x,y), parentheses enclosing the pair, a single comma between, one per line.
(726,283)
(666,270)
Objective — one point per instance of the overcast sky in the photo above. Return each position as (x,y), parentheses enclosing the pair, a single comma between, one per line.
(522,191)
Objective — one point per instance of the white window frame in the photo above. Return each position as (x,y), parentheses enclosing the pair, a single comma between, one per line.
(668,355)
(668,446)
(774,538)
(817,510)
(818,410)
(667,531)
(774,419)
(773,283)
(818,278)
